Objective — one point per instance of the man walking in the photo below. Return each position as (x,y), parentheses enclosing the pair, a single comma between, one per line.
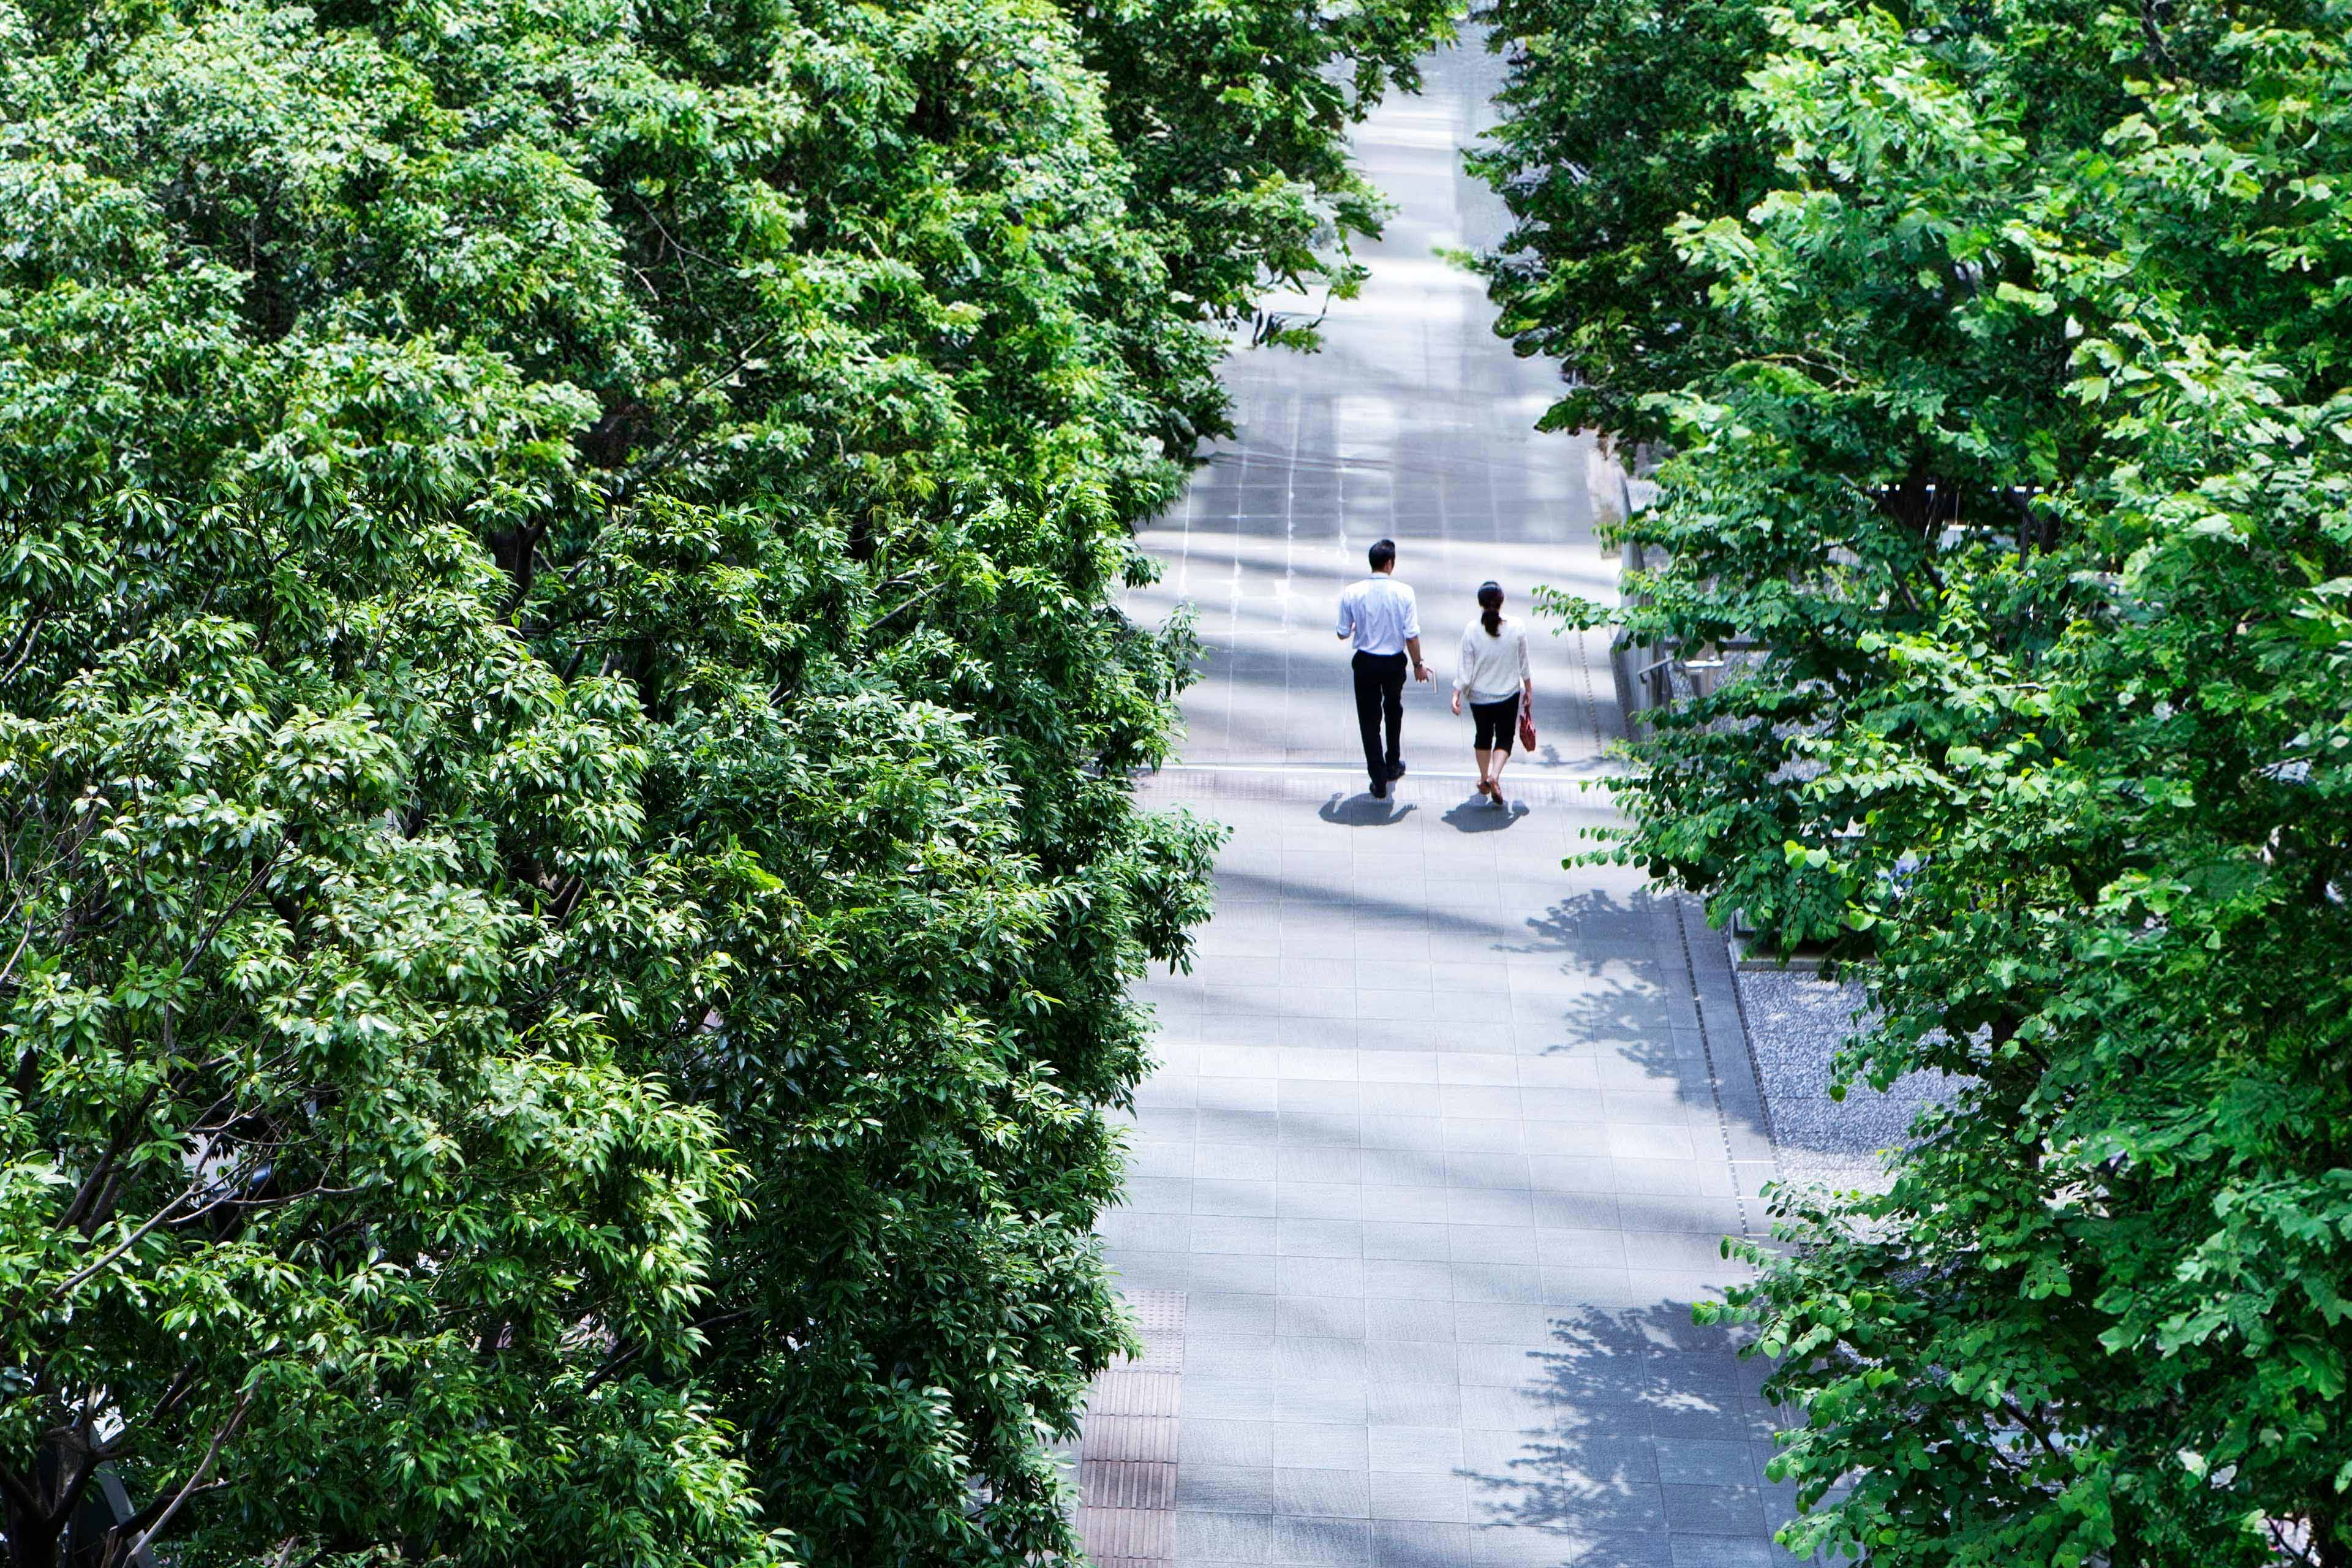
(1379,613)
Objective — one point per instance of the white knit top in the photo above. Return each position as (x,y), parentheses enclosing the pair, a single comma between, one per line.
(1491,668)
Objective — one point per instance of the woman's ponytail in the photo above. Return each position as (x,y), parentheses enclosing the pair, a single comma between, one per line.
(1490,607)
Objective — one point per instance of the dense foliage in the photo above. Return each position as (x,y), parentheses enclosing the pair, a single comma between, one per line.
(564,746)
(2002,349)
(1620,118)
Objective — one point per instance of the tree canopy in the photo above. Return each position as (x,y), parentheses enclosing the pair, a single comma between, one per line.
(2001,354)
(564,741)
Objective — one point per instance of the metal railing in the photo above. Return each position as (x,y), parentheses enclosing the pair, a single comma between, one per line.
(1651,676)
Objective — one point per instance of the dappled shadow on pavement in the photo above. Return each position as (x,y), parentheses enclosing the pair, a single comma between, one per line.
(1646,1446)
(1574,925)
(1610,945)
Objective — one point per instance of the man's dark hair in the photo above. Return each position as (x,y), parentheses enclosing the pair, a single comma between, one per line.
(1383,554)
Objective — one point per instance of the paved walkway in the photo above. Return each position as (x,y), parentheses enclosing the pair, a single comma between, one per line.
(1444,1135)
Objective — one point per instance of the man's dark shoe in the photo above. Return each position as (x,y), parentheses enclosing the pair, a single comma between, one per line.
(1380,789)
(1396,771)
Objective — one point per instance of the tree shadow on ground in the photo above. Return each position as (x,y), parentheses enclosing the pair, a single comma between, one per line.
(1816,1138)
(1361,810)
(1646,1444)
(1628,955)
(1599,937)
(1479,814)
(1576,923)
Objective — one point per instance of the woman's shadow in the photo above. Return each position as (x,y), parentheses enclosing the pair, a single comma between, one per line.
(1479,814)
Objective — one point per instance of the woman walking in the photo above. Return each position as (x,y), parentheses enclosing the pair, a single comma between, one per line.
(1494,670)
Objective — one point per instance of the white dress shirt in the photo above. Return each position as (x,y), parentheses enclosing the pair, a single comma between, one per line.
(1492,668)
(1380,613)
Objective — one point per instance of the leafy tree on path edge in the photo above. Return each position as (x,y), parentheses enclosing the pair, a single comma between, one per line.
(2000,351)
(564,741)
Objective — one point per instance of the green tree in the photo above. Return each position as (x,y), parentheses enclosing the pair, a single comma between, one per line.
(2030,472)
(563,754)
(1233,116)
(1618,119)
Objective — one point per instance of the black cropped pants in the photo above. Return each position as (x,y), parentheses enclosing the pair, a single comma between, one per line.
(1498,724)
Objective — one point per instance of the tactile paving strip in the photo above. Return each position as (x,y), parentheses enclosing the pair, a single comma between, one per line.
(1127,1447)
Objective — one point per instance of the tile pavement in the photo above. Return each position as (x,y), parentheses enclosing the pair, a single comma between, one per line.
(1444,1136)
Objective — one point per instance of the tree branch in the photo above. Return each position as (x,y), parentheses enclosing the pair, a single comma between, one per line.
(228,1430)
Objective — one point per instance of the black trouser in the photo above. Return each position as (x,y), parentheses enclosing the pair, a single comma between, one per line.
(1495,724)
(1380,690)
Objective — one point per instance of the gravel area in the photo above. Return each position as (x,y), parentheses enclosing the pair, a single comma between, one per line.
(1796,1022)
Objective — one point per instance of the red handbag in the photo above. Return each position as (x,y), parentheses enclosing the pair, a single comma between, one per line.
(1527,723)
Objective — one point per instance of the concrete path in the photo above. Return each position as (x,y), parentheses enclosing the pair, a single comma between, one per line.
(1444,1135)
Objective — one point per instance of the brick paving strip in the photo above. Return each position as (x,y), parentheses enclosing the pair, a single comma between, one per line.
(1127,1465)
(1443,1137)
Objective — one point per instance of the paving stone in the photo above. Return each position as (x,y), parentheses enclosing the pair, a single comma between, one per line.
(1535,1546)
(1420,1495)
(1397,1403)
(1430,1242)
(1410,1280)
(1294,1542)
(1208,1394)
(1231,1199)
(1219,1538)
(1231,1235)
(1322,1445)
(1322,1399)
(1224,1488)
(1419,1543)
(1320,1200)
(1734,1510)
(1622,1549)
(1403,1205)
(1706,1462)
(1295,1237)
(1319,1494)
(1717,1552)
(1319,1277)
(1317,1164)
(1206,1441)
(1227,1312)
(1321,1317)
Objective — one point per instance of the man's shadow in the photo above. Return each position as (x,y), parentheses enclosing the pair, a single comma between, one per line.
(1479,814)
(1361,810)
